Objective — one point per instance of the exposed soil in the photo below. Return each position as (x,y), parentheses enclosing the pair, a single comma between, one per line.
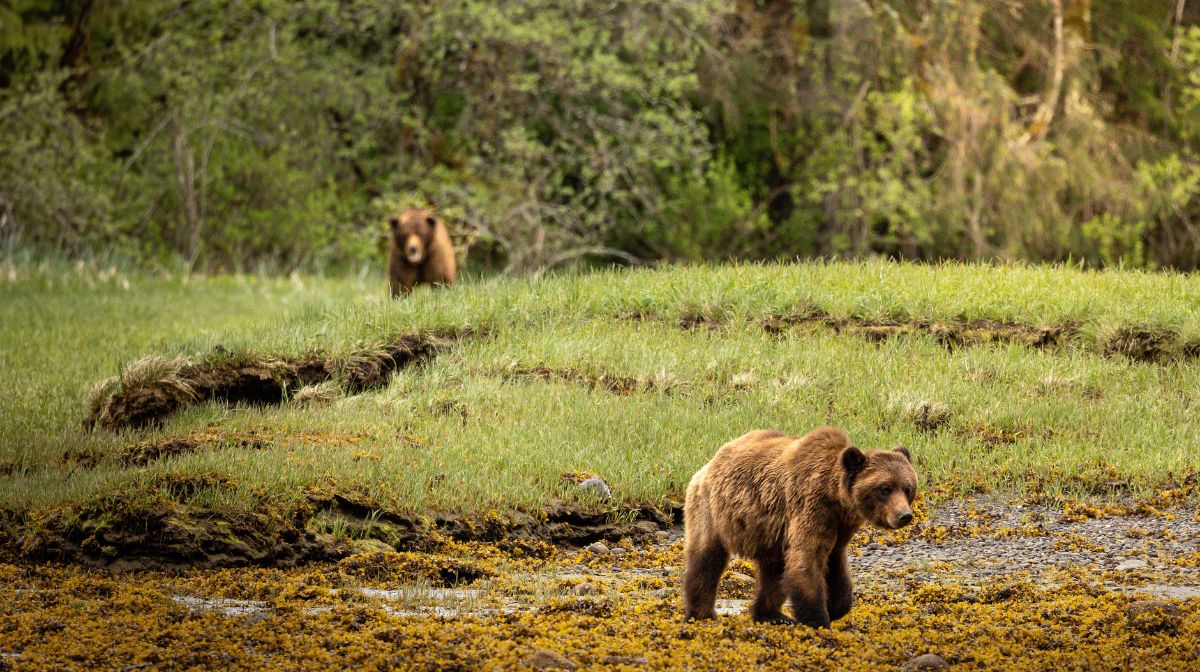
(619,385)
(1131,341)
(1149,345)
(145,395)
(154,527)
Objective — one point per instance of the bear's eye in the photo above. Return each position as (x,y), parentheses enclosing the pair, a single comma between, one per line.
(883,491)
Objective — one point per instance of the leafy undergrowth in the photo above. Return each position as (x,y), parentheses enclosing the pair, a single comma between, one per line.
(512,608)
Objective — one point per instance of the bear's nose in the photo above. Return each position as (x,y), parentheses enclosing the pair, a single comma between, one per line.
(904,518)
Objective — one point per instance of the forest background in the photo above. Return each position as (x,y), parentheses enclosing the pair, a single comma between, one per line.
(274,135)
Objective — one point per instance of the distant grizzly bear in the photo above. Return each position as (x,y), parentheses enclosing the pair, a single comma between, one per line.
(420,251)
(790,505)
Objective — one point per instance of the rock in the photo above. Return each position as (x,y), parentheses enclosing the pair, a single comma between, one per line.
(545,659)
(625,660)
(646,527)
(1152,616)
(662,535)
(256,616)
(584,589)
(597,547)
(617,550)
(928,661)
(739,581)
(1170,591)
(596,486)
(368,546)
(1132,564)
(876,546)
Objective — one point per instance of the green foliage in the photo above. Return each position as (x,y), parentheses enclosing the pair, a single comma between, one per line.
(555,126)
(272,133)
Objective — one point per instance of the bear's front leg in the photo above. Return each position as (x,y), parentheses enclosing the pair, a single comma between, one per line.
(838,585)
(806,584)
(770,596)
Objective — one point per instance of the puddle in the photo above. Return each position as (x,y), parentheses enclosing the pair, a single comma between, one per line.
(436,611)
(443,594)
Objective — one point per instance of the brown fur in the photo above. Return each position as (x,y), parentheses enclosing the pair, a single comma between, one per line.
(420,234)
(790,505)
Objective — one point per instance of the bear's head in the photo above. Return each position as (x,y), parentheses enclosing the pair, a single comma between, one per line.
(881,485)
(412,232)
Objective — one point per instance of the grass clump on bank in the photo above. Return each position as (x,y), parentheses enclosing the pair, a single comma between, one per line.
(1014,379)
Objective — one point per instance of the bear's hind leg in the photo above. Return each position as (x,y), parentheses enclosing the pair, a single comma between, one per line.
(770,594)
(705,564)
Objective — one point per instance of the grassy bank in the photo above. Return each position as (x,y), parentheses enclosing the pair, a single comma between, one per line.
(1010,379)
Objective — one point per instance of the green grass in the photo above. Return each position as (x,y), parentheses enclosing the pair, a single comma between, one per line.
(474,430)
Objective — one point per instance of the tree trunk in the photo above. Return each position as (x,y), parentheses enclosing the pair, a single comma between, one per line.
(185,173)
(74,56)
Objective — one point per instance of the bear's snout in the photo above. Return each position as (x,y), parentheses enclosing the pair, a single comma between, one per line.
(904,518)
(414,250)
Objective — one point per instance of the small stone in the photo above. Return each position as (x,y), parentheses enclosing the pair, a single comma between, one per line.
(928,661)
(662,535)
(1152,616)
(584,589)
(1132,564)
(617,550)
(596,486)
(597,547)
(545,659)
(876,546)
(256,616)
(369,545)
(739,580)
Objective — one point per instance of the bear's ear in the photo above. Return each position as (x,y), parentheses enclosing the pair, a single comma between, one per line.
(853,460)
(903,451)
(394,223)
(431,221)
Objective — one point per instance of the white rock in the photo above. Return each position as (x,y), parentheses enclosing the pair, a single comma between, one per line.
(597,486)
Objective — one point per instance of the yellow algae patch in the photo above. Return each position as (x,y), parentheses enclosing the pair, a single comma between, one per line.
(317,618)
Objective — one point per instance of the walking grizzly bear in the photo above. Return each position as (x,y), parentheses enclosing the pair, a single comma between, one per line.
(420,251)
(790,505)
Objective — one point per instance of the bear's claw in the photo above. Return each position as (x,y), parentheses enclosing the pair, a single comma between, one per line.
(774,619)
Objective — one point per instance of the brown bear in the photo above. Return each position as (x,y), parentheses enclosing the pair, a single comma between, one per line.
(420,251)
(790,505)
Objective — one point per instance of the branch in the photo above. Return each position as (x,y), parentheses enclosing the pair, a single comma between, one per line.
(1176,24)
(1045,113)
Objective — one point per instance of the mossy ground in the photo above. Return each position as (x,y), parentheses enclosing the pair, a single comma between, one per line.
(471,606)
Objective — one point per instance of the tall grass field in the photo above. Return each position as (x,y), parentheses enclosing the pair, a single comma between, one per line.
(1005,379)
